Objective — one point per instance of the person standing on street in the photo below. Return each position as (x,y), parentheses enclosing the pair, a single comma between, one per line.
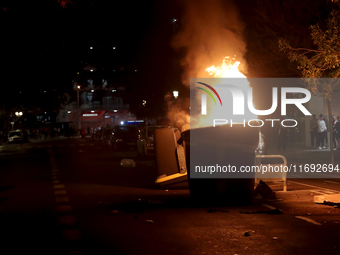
(337,131)
(313,131)
(322,132)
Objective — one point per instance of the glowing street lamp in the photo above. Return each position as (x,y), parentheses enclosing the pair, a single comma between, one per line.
(175,93)
(78,88)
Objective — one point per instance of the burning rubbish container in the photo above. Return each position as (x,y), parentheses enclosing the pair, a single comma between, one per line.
(205,151)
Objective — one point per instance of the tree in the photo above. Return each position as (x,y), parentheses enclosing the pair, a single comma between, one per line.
(321,62)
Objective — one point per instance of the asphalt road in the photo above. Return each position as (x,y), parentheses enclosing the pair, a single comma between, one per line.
(66,196)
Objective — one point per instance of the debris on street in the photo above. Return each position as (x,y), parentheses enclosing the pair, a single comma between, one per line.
(275,211)
(247,233)
(264,191)
(127,162)
(211,210)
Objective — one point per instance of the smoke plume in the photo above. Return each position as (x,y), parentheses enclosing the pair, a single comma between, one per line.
(210,31)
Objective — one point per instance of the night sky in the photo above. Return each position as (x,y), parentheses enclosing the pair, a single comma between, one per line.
(45,43)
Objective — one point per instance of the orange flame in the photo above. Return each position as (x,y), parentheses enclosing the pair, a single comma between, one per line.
(228,69)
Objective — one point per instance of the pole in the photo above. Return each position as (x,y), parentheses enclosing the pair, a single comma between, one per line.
(78,97)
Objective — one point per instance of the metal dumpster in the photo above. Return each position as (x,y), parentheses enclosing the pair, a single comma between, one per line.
(234,146)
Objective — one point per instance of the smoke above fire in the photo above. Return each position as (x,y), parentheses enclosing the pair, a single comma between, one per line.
(211,30)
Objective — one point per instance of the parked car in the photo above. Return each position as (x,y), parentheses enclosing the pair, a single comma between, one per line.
(145,144)
(15,136)
(124,137)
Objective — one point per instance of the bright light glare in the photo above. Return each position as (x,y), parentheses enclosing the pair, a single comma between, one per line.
(91,70)
(92,90)
(78,86)
(114,90)
(122,123)
(69,112)
(114,48)
(91,48)
(175,94)
(115,111)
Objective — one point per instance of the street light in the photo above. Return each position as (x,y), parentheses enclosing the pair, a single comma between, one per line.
(175,93)
(78,88)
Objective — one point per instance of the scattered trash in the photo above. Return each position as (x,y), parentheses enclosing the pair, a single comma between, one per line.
(247,233)
(211,210)
(114,212)
(127,162)
(264,191)
(155,202)
(275,211)
(216,210)
(258,196)
(275,238)
(149,221)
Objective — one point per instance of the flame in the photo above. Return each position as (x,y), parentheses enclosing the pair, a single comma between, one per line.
(228,69)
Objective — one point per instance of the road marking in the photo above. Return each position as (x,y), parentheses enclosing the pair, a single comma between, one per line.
(59,186)
(71,234)
(316,191)
(68,219)
(308,220)
(64,208)
(62,199)
(315,187)
(60,192)
(332,182)
(269,206)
